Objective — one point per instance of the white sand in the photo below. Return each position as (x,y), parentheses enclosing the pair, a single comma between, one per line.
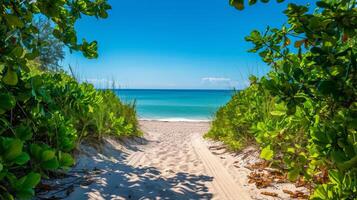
(171,162)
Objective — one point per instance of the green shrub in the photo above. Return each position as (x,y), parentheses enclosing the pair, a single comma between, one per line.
(310,127)
(44,115)
(43,118)
(115,118)
(233,122)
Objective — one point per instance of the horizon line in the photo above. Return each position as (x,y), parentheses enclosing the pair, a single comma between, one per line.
(232,89)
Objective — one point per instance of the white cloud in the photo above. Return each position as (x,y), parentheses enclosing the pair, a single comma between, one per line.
(215,79)
(224,82)
(217,82)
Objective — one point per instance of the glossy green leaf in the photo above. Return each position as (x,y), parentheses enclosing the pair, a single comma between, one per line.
(10,78)
(66,160)
(267,153)
(23,132)
(14,148)
(36,151)
(239,4)
(22,159)
(32,179)
(7,102)
(47,155)
(50,164)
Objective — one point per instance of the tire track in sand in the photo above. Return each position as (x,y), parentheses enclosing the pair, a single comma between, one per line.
(223,181)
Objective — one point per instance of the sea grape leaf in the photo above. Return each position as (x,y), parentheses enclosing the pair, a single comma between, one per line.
(90,49)
(27,193)
(25,185)
(239,4)
(50,164)
(47,155)
(267,153)
(32,179)
(36,150)
(22,159)
(66,160)
(10,77)
(293,174)
(23,132)
(7,102)
(14,149)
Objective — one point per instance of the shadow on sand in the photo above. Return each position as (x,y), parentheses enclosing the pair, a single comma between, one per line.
(114,179)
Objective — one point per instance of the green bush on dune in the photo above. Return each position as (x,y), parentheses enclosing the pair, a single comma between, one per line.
(44,117)
(303,113)
(45,114)
(233,122)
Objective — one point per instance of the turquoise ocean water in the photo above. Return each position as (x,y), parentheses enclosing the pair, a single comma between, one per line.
(175,105)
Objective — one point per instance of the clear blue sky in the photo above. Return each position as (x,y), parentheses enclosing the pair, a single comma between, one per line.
(190,44)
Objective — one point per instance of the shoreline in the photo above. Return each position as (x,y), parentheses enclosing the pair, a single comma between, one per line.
(176,120)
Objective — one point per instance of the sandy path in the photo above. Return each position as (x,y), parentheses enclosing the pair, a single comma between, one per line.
(177,147)
(172,162)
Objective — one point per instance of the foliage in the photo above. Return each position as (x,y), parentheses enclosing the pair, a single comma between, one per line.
(239,4)
(51,50)
(20,43)
(311,127)
(43,118)
(44,115)
(233,122)
(114,118)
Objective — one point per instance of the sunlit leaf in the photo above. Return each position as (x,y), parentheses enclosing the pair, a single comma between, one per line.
(267,153)
(10,78)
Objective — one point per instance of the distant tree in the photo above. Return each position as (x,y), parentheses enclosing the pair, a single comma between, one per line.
(18,33)
(51,50)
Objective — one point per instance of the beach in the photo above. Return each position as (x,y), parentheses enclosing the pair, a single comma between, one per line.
(178,100)
(171,161)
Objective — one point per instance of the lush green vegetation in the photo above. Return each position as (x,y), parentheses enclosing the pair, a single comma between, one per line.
(45,114)
(303,113)
(233,122)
